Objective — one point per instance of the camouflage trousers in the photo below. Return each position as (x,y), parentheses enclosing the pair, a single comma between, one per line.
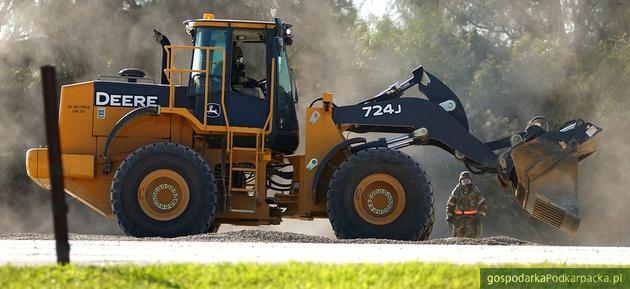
(466,226)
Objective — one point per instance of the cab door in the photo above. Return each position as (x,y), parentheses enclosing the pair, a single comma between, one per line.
(239,65)
(248,74)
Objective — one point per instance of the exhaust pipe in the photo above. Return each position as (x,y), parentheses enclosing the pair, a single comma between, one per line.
(546,169)
(163,41)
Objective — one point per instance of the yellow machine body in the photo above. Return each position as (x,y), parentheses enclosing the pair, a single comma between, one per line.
(83,136)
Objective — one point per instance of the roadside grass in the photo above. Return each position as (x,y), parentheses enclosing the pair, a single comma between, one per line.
(248,275)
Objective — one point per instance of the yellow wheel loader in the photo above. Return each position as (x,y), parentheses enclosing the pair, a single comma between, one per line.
(214,143)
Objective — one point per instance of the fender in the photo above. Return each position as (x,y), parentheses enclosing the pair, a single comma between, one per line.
(140,111)
(327,158)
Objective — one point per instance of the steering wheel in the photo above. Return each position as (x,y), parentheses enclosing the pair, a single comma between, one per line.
(262,84)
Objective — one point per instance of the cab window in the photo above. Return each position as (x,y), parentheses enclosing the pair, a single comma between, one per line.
(206,37)
(285,93)
(248,75)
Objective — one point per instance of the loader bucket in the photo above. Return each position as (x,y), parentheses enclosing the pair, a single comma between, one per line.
(547,168)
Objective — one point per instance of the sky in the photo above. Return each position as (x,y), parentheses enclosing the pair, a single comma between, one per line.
(374,7)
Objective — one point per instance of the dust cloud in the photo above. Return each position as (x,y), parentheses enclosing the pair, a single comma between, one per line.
(604,181)
(85,39)
(101,37)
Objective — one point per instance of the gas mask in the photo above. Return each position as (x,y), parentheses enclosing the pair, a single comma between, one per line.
(466,183)
(239,63)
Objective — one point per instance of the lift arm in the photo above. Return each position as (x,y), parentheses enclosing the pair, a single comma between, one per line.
(541,168)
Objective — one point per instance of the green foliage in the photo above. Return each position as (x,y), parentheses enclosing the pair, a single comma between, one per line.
(244,275)
(426,41)
(487,84)
(248,275)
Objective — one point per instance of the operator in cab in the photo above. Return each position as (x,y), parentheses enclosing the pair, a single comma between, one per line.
(240,82)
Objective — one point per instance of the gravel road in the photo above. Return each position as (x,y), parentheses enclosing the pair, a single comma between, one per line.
(273,237)
(271,246)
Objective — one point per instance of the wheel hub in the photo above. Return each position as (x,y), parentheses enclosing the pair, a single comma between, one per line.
(163,195)
(379,199)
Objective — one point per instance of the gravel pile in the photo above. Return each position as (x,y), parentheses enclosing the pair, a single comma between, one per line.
(496,240)
(273,237)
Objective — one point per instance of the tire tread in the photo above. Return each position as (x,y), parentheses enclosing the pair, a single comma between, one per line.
(372,156)
(161,148)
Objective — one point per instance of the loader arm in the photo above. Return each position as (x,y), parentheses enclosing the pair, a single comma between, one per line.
(541,168)
(409,114)
(433,88)
(441,114)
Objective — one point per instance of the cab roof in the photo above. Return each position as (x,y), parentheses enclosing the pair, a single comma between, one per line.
(209,20)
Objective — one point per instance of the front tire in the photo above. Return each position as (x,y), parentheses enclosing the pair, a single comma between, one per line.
(214,227)
(380,193)
(164,190)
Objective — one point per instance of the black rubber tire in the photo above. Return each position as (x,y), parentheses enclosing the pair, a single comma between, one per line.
(198,214)
(416,220)
(214,227)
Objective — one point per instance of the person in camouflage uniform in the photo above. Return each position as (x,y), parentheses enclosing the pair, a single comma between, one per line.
(466,208)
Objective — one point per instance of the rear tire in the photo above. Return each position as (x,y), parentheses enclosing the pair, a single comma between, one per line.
(380,193)
(164,190)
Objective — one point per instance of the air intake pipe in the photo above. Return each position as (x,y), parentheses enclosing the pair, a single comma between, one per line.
(163,41)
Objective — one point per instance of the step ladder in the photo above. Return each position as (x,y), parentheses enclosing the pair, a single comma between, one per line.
(247,193)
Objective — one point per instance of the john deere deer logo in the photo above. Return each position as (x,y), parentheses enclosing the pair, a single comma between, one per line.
(214,110)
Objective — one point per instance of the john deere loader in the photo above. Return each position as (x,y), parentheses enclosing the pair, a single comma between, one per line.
(214,142)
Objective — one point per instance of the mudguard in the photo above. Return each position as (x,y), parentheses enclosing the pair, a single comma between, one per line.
(320,195)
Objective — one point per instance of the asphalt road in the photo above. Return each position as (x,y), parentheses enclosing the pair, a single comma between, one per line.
(39,249)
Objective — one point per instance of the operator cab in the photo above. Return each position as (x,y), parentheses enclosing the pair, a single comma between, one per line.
(248,72)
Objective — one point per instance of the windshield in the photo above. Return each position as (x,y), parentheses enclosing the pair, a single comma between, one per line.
(285,93)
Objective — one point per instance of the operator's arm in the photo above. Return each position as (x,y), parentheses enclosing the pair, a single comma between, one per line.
(450,207)
(249,82)
(482,207)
